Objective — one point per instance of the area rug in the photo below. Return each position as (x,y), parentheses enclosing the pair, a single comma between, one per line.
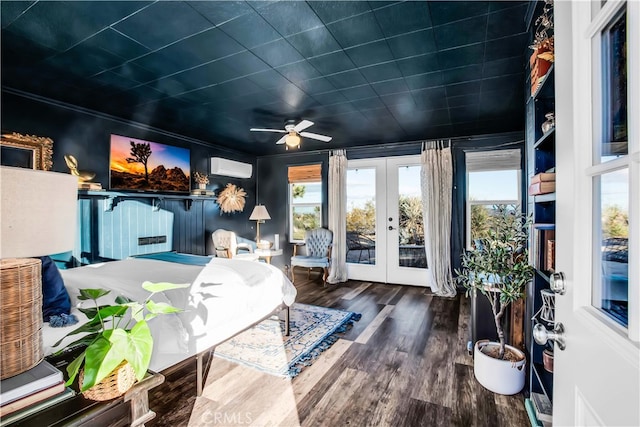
(266,348)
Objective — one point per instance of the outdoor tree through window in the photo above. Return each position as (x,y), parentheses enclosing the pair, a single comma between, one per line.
(305,200)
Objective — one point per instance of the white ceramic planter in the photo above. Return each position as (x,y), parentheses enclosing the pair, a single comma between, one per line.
(499,376)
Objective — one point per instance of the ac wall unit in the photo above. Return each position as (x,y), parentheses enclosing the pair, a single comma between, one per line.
(226,167)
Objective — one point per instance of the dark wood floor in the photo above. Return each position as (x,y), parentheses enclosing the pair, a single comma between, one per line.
(403,364)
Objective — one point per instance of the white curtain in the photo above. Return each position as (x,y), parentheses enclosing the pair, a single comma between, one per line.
(337,215)
(436,184)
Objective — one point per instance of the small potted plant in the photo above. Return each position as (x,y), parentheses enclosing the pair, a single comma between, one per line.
(118,341)
(201,179)
(499,269)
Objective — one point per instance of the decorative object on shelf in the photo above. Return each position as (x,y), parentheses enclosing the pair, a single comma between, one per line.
(547,311)
(500,270)
(28,151)
(259,214)
(547,359)
(38,214)
(110,347)
(543,47)
(72,164)
(232,199)
(550,123)
(201,179)
(544,24)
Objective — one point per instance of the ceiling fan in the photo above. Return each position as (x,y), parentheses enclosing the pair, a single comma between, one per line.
(294,132)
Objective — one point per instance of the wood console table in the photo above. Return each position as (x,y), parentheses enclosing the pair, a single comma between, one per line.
(131,409)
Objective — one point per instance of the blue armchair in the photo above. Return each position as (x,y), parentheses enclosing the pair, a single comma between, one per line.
(317,244)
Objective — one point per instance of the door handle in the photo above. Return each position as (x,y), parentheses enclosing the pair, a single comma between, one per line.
(391,228)
(541,335)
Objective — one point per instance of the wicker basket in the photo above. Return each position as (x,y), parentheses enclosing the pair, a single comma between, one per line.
(113,385)
(20,315)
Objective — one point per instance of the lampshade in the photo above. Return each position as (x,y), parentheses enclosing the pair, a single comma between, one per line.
(37,212)
(37,218)
(259,213)
(292,140)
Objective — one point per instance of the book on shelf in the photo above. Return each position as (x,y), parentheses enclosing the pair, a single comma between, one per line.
(31,399)
(41,405)
(543,407)
(543,177)
(94,186)
(542,187)
(544,246)
(197,192)
(41,376)
(531,411)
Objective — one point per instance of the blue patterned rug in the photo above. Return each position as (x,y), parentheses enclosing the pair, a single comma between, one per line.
(265,347)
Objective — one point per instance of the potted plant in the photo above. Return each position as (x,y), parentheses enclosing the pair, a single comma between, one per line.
(201,179)
(499,269)
(118,342)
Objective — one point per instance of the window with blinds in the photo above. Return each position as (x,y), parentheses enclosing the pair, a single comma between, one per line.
(493,178)
(305,200)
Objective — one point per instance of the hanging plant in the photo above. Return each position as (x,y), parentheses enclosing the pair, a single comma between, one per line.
(231,199)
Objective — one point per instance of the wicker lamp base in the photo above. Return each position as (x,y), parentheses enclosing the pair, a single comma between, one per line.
(20,315)
(115,384)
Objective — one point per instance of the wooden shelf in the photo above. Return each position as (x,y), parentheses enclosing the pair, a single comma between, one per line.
(112,198)
(546,138)
(544,198)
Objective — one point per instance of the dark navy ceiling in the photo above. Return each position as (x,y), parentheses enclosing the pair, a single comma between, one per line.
(364,72)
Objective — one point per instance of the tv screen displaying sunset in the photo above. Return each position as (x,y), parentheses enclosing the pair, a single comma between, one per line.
(136,164)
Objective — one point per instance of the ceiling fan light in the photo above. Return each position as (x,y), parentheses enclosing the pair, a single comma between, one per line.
(292,140)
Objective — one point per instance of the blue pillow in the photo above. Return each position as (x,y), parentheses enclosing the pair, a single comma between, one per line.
(55,299)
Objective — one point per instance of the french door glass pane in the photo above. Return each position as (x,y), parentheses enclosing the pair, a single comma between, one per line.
(615,62)
(611,293)
(411,227)
(361,216)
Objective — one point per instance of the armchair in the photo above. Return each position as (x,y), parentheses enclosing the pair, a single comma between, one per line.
(317,244)
(228,245)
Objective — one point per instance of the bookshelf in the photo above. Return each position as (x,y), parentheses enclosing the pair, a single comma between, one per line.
(541,204)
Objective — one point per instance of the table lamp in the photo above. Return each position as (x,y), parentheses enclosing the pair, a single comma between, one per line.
(259,214)
(37,218)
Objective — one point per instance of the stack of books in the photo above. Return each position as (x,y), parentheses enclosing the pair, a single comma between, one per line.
(542,183)
(31,391)
(93,186)
(543,409)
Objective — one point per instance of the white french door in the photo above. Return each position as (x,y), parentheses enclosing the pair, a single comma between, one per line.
(385,233)
(597,376)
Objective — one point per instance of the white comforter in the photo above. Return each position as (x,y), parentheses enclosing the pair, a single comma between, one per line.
(225,297)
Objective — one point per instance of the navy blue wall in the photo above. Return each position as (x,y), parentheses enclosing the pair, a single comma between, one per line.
(85,134)
(272,183)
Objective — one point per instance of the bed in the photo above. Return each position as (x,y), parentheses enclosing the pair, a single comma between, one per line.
(226,296)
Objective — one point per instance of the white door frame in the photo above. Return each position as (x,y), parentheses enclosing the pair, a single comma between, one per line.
(597,376)
(386,269)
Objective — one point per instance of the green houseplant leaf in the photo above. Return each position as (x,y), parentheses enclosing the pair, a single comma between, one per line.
(115,333)
(498,267)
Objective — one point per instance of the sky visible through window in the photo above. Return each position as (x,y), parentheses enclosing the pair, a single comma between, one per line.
(493,185)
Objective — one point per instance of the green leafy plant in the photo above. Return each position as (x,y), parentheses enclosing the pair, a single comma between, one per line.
(115,333)
(499,266)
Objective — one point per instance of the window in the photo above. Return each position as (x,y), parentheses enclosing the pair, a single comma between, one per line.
(611,179)
(493,178)
(305,200)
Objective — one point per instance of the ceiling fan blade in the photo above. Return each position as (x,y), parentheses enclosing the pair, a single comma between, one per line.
(281,140)
(315,136)
(267,130)
(302,125)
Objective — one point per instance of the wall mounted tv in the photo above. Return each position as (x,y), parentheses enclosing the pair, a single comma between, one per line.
(138,165)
